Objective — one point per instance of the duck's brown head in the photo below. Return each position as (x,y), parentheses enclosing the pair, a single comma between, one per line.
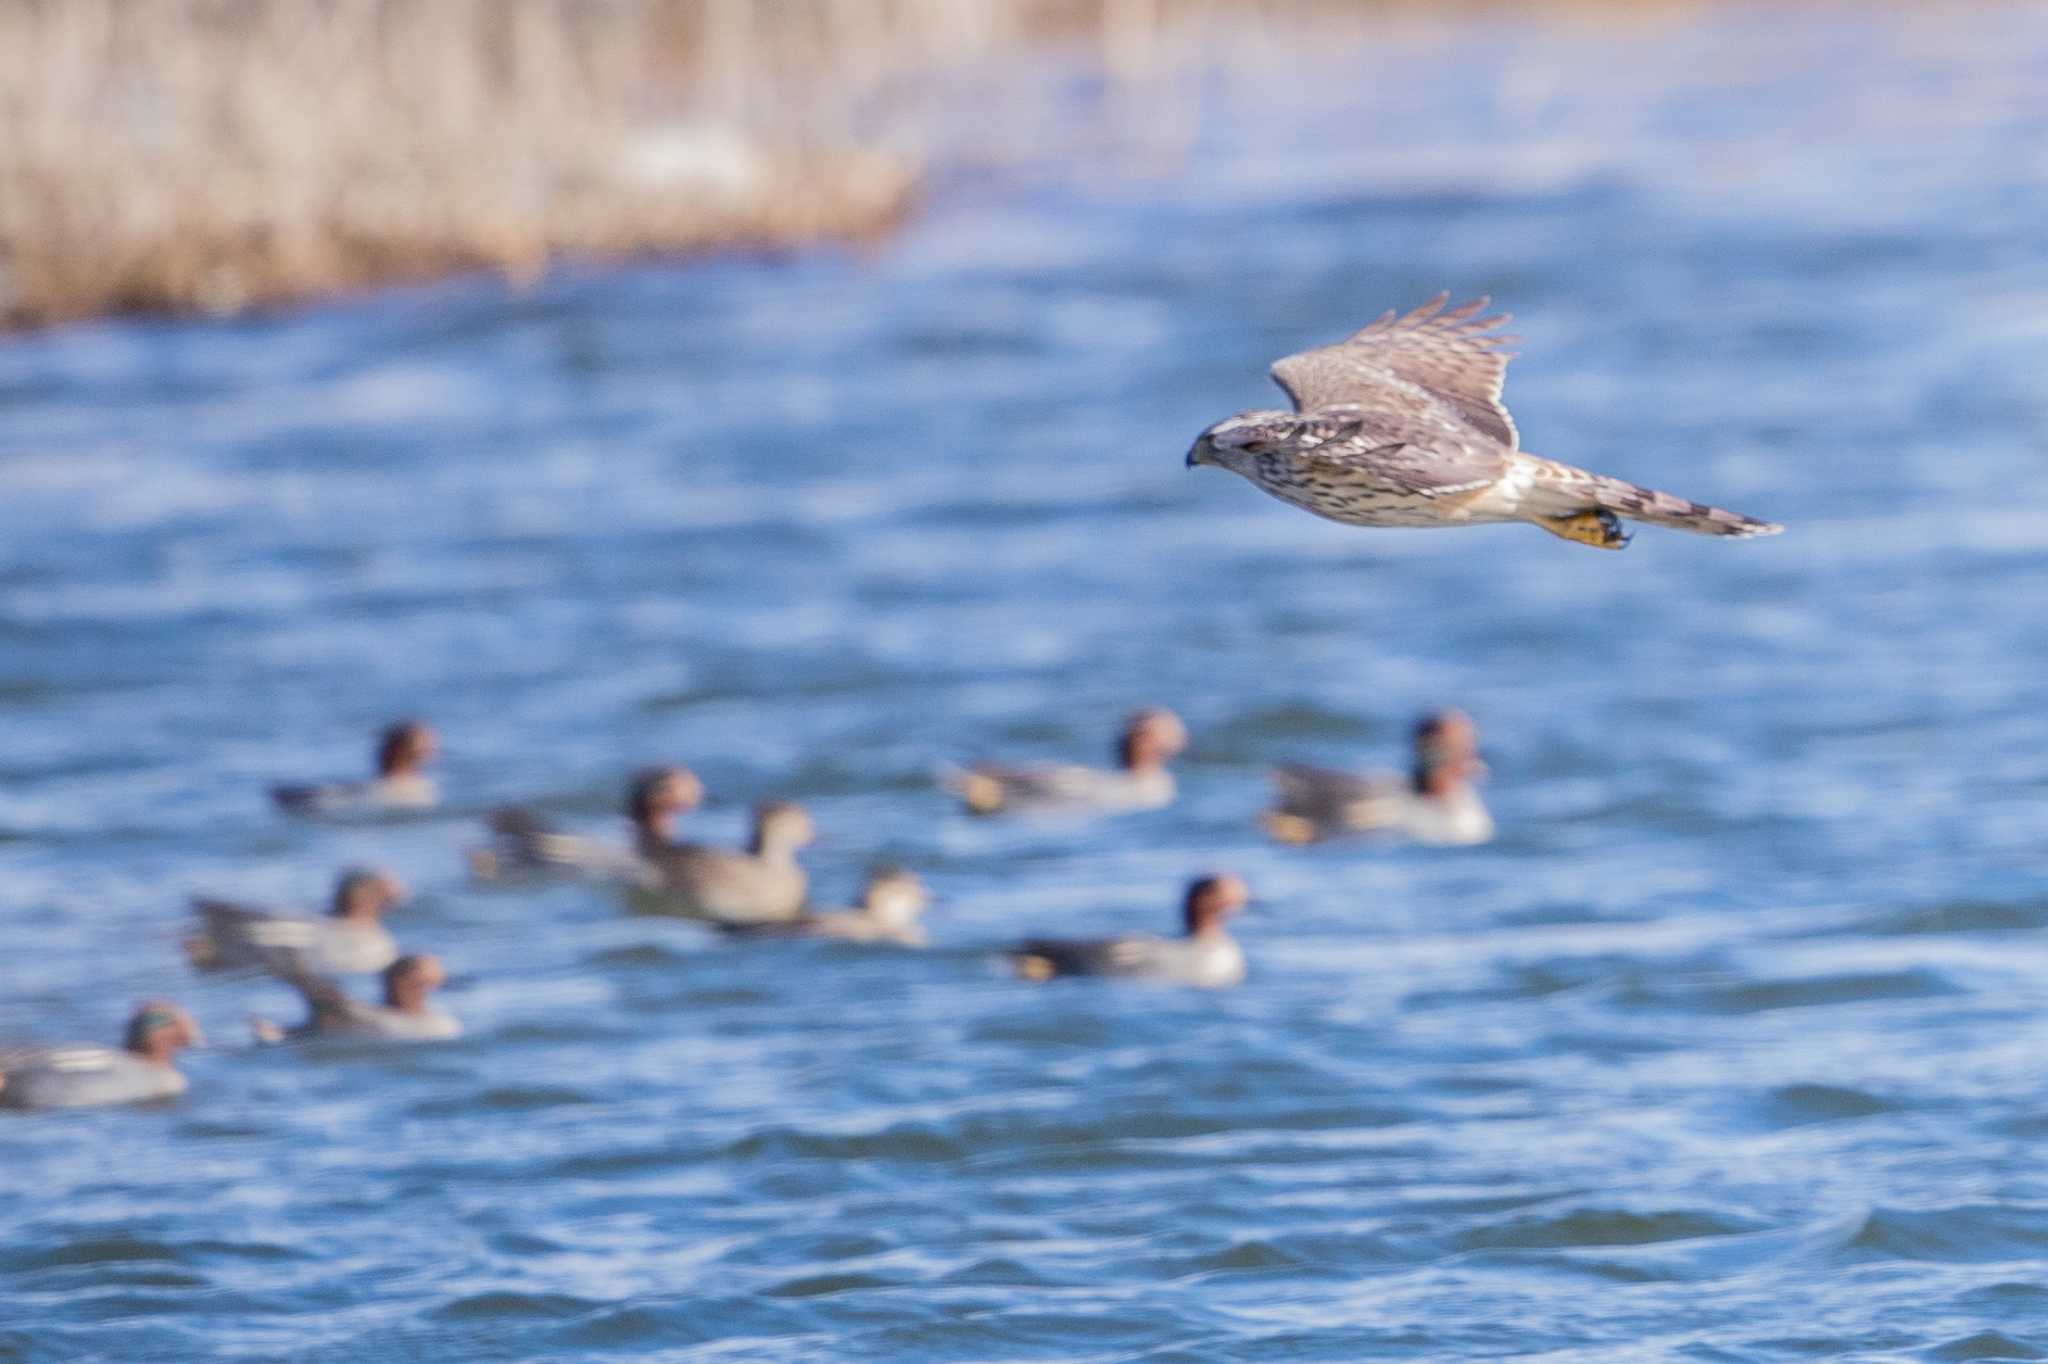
(780,828)
(409,980)
(894,897)
(1210,901)
(406,747)
(365,893)
(159,1029)
(1151,737)
(1446,752)
(658,794)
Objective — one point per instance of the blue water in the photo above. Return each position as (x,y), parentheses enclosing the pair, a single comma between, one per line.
(1730,1048)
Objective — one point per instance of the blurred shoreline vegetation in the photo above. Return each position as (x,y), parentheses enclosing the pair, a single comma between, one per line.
(212,156)
(207,156)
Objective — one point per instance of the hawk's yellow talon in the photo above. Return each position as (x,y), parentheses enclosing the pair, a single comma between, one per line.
(1600,529)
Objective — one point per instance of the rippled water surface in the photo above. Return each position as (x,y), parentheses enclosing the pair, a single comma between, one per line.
(1730,1048)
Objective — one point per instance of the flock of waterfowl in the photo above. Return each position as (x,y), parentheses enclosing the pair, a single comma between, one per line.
(757,892)
(1399,424)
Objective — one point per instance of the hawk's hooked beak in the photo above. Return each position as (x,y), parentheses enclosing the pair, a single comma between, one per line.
(1195,451)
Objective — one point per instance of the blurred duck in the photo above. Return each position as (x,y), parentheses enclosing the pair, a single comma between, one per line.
(406,1015)
(350,937)
(1151,738)
(890,906)
(1437,803)
(527,849)
(1205,954)
(403,751)
(85,1074)
(764,884)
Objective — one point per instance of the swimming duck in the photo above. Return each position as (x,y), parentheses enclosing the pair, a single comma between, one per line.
(1205,954)
(403,750)
(1151,738)
(404,1016)
(762,884)
(527,849)
(888,912)
(1437,803)
(349,937)
(85,1074)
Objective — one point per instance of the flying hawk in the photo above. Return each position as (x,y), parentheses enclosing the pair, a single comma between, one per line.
(1402,425)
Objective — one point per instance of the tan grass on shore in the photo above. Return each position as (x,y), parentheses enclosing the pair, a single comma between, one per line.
(209,155)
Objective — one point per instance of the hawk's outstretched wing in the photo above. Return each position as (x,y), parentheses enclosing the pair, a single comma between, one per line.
(1450,354)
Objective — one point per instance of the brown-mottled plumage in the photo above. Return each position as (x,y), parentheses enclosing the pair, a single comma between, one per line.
(1402,425)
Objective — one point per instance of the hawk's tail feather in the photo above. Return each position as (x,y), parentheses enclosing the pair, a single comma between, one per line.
(1569,490)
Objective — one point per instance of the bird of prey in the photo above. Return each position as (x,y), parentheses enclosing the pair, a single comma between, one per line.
(1402,425)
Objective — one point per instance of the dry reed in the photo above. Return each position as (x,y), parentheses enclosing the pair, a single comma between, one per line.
(210,155)
(213,155)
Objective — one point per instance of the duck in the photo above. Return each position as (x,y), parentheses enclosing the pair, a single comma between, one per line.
(405,1015)
(890,905)
(1437,803)
(764,884)
(526,848)
(403,751)
(1151,738)
(349,938)
(1205,954)
(88,1075)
